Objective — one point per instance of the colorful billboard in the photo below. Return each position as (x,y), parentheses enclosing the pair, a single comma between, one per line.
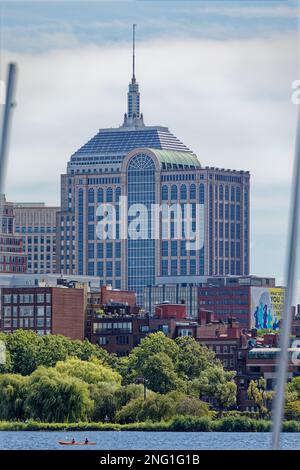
(266,307)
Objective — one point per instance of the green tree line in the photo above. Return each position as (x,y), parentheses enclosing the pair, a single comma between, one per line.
(54,379)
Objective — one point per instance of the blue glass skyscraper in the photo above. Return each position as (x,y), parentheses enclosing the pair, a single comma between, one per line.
(149,165)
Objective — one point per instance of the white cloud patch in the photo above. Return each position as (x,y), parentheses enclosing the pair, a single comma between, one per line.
(229,101)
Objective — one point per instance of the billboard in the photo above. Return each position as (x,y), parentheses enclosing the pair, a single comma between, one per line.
(266,307)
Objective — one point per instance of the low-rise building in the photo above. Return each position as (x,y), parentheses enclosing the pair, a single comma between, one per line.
(45,310)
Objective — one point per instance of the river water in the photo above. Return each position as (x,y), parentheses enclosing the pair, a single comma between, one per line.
(111,440)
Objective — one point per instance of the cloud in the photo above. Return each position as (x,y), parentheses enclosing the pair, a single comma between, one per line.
(229,101)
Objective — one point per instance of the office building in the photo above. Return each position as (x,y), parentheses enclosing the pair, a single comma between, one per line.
(149,165)
(36,223)
(12,257)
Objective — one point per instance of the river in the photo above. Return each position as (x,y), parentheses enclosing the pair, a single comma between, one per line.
(111,440)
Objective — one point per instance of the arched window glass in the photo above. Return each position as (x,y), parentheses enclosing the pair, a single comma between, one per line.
(193,191)
(109,195)
(174,193)
(91,196)
(100,196)
(164,193)
(118,193)
(183,192)
(201,193)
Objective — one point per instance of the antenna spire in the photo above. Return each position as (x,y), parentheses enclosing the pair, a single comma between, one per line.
(133,117)
(133,53)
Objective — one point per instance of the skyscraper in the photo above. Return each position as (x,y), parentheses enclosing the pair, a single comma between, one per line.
(149,165)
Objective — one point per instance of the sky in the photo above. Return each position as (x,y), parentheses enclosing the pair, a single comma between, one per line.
(218,74)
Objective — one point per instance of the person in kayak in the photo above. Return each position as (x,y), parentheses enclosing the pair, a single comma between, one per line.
(86,440)
(73,441)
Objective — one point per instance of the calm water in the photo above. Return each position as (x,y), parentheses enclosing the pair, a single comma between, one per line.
(25,440)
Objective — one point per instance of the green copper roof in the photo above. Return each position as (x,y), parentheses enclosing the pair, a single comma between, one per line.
(171,158)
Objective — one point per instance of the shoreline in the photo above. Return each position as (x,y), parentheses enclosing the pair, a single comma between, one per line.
(179,424)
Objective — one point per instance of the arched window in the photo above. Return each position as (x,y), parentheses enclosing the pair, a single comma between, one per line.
(192,192)
(109,195)
(118,194)
(91,196)
(174,192)
(164,193)
(201,193)
(141,251)
(100,195)
(183,192)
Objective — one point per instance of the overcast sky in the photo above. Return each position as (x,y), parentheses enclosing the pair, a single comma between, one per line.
(218,74)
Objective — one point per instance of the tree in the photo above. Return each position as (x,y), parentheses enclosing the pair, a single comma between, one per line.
(292,410)
(217,384)
(190,406)
(92,372)
(293,389)
(159,372)
(153,344)
(13,391)
(193,358)
(23,347)
(105,401)
(26,351)
(156,348)
(261,397)
(54,397)
(155,408)
(127,393)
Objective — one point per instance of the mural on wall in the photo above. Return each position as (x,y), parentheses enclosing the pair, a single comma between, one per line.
(266,307)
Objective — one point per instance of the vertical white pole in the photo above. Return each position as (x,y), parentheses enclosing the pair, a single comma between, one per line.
(290,283)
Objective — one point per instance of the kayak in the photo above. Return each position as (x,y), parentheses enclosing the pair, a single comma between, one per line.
(67,443)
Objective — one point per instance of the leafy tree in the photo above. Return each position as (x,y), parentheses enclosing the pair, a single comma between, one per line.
(217,384)
(159,373)
(193,358)
(292,410)
(13,391)
(190,406)
(261,397)
(127,393)
(155,343)
(23,347)
(155,408)
(92,372)
(293,389)
(105,401)
(54,397)
(26,351)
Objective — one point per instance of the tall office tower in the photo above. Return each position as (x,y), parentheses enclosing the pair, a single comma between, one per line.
(12,257)
(36,223)
(149,165)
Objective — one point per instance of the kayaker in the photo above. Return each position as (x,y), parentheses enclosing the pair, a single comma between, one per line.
(73,441)
(86,440)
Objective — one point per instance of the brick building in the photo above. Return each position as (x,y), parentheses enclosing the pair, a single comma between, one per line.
(45,310)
